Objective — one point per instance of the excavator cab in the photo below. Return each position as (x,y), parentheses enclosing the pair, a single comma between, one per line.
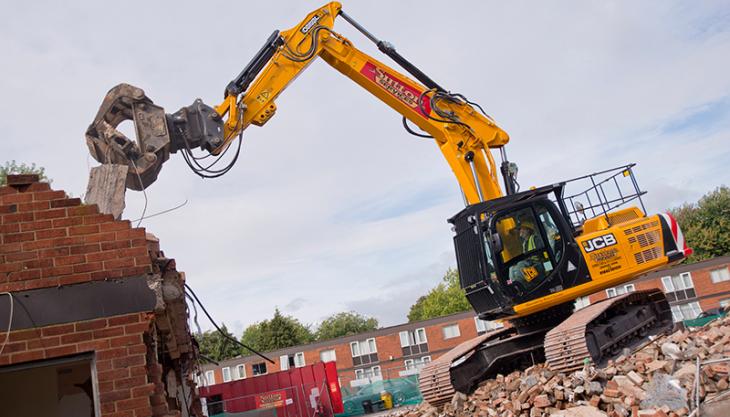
(527,250)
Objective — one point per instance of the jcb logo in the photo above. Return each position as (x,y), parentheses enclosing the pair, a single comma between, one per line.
(599,242)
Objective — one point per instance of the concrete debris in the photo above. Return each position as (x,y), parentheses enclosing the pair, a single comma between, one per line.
(655,381)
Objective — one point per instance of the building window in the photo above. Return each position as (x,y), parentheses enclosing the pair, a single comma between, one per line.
(209,378)
(240,372)
(299,360)
(687,311)
(283,362)
(451,331)
(226,374)
(413,342)
(620,290)
(259,368)
(359,374)
(486,325)
(328,355)
(364,352)
(720,275)
(375,370)
(582,302)
(416,363)
(679,287)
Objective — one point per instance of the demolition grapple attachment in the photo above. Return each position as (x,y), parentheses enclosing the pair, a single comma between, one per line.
(158,134)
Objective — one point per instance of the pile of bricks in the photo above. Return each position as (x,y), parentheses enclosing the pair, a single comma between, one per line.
(657,380)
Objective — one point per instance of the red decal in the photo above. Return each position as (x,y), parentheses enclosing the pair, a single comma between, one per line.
(397,88)
(273,399)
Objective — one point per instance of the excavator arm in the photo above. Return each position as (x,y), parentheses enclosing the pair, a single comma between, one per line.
(463,133)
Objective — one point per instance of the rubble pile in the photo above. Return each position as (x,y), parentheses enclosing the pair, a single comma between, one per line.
(657,380)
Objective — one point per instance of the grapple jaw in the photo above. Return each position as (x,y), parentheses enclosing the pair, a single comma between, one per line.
(110,146)
(157,134)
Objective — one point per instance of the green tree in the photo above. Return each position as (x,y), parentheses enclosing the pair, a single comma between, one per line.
(706,224)
(345,324)
(214,346)
(12,167)
(278,333)
(444,299)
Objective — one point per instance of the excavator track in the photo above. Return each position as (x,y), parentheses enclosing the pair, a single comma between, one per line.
(599,331)
(435,378)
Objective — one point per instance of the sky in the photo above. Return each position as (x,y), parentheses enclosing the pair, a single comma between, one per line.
(332,206)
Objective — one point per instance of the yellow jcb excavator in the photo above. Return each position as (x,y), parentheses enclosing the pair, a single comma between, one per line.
(523,256)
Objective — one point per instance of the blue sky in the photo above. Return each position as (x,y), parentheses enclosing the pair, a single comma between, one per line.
(332,206)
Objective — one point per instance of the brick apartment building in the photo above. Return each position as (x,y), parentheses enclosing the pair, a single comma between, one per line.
(385,353)
(691,288)
(400,350)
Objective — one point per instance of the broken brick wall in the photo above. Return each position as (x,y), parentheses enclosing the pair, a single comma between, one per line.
(83,282)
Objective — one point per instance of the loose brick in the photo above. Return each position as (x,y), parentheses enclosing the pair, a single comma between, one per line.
(48,195)
(66,202)
(127,319)
(83,210)
(143,390)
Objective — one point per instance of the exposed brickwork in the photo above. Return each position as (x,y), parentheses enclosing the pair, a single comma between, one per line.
(119,353)
(50,240)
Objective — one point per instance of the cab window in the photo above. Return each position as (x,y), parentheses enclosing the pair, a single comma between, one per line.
(519,234)
(552,233)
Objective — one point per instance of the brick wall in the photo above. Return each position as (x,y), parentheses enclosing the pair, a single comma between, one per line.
(48,240)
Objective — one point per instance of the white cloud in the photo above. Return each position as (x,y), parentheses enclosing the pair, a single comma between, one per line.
(323,204)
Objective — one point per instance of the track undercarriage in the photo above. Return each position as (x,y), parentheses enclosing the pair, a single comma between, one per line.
(564,340)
